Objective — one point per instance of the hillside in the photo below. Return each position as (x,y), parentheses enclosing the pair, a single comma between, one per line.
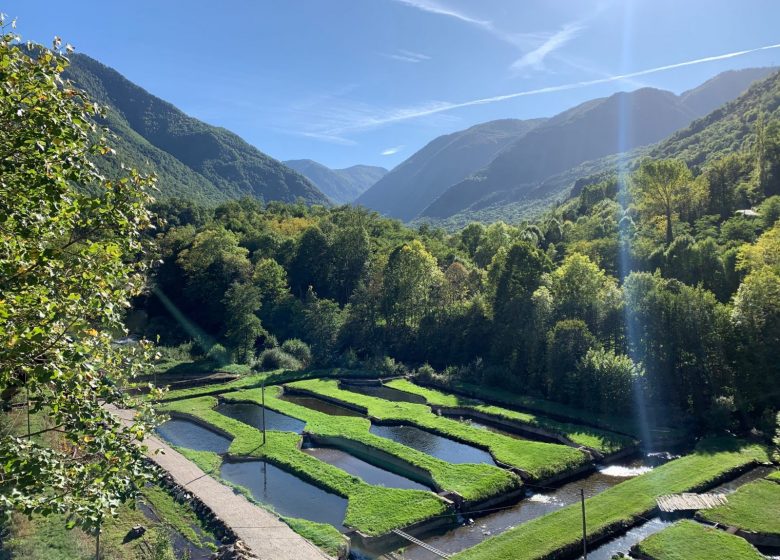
(191,158)
(407,189)
(597,128)
(340,185)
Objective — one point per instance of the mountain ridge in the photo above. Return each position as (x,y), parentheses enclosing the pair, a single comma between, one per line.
(340,185)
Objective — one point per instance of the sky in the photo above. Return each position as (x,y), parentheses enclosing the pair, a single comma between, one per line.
(348,82)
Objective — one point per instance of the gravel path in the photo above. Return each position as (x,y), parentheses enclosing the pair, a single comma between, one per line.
(267,536)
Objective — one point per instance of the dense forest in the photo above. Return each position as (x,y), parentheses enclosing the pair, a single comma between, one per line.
(663,279)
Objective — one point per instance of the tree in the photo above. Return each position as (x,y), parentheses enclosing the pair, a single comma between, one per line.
(660,188)
(567,344)
(271,279)
(243,327)
(71,255)
(410,278)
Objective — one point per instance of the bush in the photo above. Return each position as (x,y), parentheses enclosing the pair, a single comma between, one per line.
(218,354)
(276,358)
(299,350)
(270,342)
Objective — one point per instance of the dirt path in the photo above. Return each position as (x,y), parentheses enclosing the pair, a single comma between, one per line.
(267,536)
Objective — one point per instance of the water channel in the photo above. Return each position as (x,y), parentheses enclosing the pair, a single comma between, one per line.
(287,494)
(185,433)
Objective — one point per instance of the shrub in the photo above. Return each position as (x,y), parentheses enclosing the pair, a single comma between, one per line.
(299,350)
(218,354)
(270,342)
(276,358)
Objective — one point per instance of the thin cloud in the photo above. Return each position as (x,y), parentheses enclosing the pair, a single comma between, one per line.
(434,7)
(551,43)
(407,56)
(404,114)
(392,151)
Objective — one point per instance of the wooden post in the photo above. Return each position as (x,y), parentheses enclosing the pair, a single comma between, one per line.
(27,389)
(263,392)
(97,543)
(584,530)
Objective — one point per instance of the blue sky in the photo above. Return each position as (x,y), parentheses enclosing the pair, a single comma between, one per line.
(371,81)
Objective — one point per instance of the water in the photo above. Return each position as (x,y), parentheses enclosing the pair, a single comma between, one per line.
(624,542)
(357,467)
(252,414)
(387,393)
(488,427)
(537,504)
(185,433)
(624,471)
(441,447)
(287,494)
(320,405)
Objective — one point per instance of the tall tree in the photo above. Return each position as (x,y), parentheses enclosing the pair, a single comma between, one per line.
(410,278)
(660,188)
(70,257)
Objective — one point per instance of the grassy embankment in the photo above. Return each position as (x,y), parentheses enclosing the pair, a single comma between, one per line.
(688,540)
(473,482)
(774,476)
(539,460)
(500,395)
(753,507)
(621,506)
(603,441)
(373,510)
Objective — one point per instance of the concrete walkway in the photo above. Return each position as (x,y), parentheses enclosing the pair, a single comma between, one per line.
(266,536)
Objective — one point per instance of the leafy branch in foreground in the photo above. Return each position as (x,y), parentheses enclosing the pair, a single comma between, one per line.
(71,255)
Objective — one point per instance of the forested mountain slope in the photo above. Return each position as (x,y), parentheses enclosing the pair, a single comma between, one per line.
(340,185)
(417,181)
(191,158)
(619,123)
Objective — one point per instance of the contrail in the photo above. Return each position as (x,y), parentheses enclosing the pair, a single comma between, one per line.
(403,115)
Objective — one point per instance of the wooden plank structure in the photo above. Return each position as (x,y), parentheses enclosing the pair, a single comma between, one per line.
(421,544)
(686,502)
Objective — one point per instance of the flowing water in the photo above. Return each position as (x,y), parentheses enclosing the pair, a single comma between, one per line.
(366,471)
(185,433)
(287,494)
(252,414)
(444,448)
(382,392)
(320,405)
(539,503)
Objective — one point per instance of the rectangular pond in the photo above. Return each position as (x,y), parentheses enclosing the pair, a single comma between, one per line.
(185,433)
(382,392)
(441,447)
(252,414)
(320,405)
(287,494)
(366,471)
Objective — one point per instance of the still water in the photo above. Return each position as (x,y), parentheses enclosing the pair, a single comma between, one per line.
(320,405)
(184,433)
(441,447)
(252,414)
(382,392)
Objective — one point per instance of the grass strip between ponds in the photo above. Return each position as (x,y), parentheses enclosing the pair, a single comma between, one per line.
(373,510)
(473,482)
(619,507)
(503,396)
(753,507)
(603,441)
(775,476)
(539,460)
(688,540)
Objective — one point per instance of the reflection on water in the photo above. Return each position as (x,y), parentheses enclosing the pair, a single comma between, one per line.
(184,433)
(320,405)
(537,504)
(432,444)
(252,414)
(357,467)
(287,494)
(624,542)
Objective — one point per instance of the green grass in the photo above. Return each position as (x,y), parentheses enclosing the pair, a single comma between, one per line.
(753,507)
(604,442)
(325,536)
(774,476)
(688,540)
(503,396)
(539,460)
(178,516)
(473,482)
(621,506)
(373,510)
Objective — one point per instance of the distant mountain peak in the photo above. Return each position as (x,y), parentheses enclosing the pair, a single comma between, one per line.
(340,185)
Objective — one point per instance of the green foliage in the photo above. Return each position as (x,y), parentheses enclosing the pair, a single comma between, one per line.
(277,358)
(754,507)
(298,349)
(688,540)
(71,258)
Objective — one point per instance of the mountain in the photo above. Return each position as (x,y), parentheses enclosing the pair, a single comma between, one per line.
(340,185)
(191,158)
(594,129)
(408,188)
